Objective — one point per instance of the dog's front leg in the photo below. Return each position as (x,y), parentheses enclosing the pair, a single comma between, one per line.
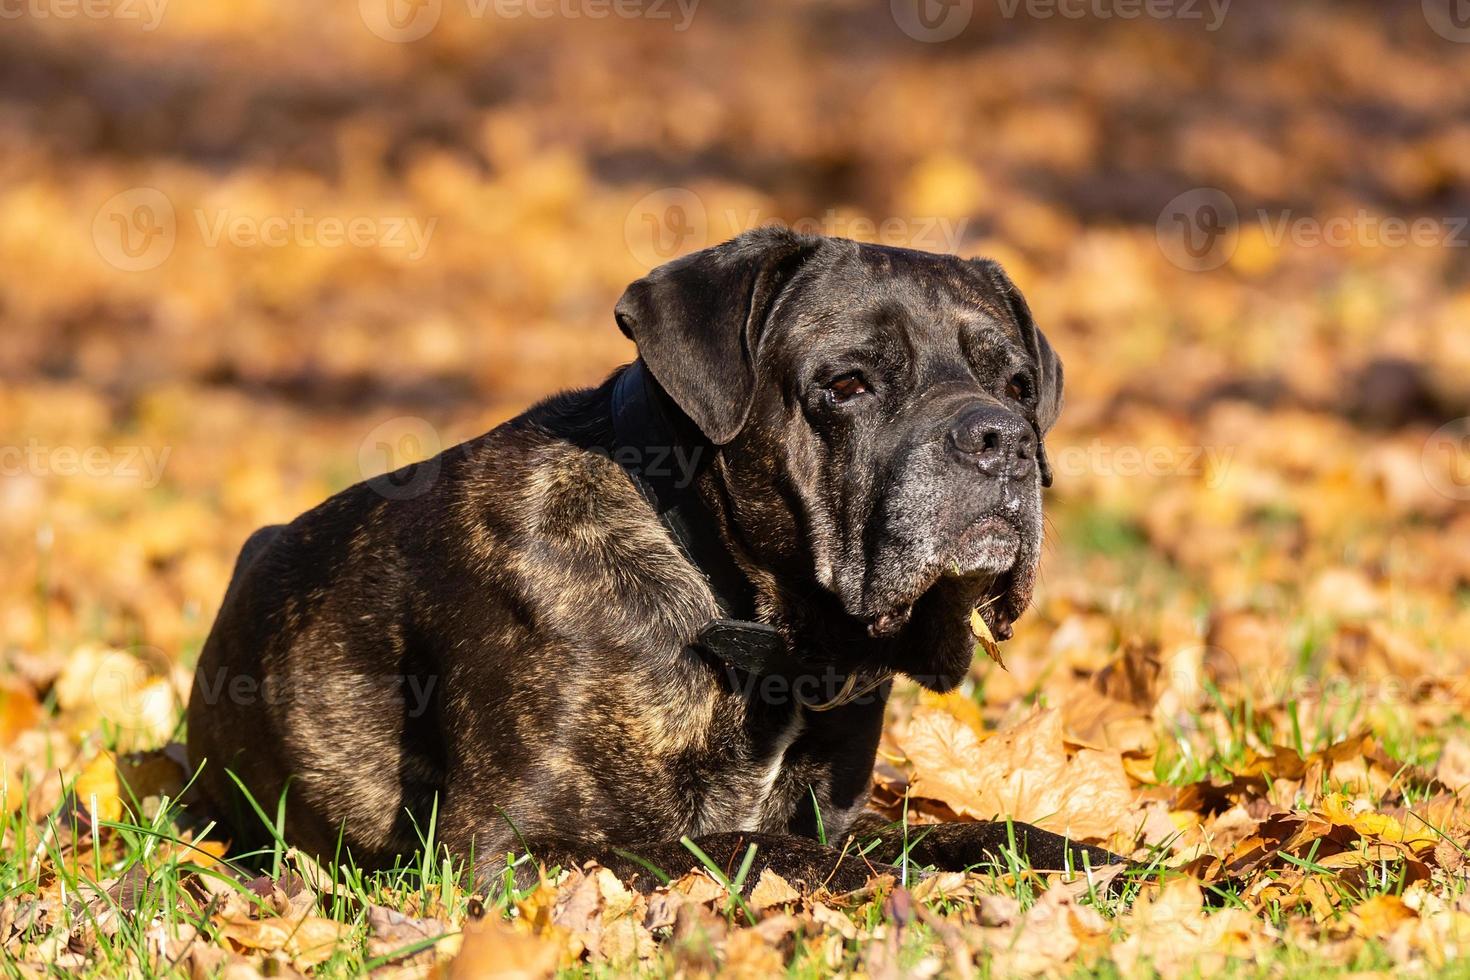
(960,846)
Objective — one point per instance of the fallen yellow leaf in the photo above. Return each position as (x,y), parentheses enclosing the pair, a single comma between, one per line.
(1381,915)
(98,782)
(493,949)
(1342,812)
(985,638)
(19,709)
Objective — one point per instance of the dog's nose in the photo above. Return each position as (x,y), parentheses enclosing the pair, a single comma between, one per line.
(1000,443)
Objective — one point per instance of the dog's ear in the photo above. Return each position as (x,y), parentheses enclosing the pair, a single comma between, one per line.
(697,322)
(1048,364)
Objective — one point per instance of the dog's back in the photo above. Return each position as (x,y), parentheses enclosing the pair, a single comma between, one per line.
(524,585)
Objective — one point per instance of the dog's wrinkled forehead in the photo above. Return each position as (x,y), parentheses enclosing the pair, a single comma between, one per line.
(936,313)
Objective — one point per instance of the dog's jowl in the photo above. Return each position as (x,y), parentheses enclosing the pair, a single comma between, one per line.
(667,606)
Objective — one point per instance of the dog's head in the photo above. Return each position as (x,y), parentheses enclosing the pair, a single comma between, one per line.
(880,415)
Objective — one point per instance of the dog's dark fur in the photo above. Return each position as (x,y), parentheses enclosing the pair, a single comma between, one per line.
(515,640)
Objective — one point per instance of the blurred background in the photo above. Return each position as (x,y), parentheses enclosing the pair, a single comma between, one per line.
(254,251)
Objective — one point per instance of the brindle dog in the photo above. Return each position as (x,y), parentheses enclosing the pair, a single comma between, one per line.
(665,606)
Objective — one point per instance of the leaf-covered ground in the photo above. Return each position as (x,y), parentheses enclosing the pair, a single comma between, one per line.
(1247,665)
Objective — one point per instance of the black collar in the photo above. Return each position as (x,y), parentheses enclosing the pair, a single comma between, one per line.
(664,454)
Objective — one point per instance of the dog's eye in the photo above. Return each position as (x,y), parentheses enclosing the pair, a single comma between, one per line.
(1019,388)
(846,386)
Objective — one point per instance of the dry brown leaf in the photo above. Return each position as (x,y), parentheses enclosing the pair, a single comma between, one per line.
(1133,678)
(1380,916)
(749,953)
(960,704)
(1046,938)
(999,910)
(605,915)
(393,930)
(771,890)
(1172,933)
(829,918)
(19,709)
(1450,856)
(308,940)
(985,638)
(493,950)
(1022,773)
(155,773)
(1095,721)
(538,909)
(943,885)
(1453,767)
(100,684)
(1344,592)
(699,887)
